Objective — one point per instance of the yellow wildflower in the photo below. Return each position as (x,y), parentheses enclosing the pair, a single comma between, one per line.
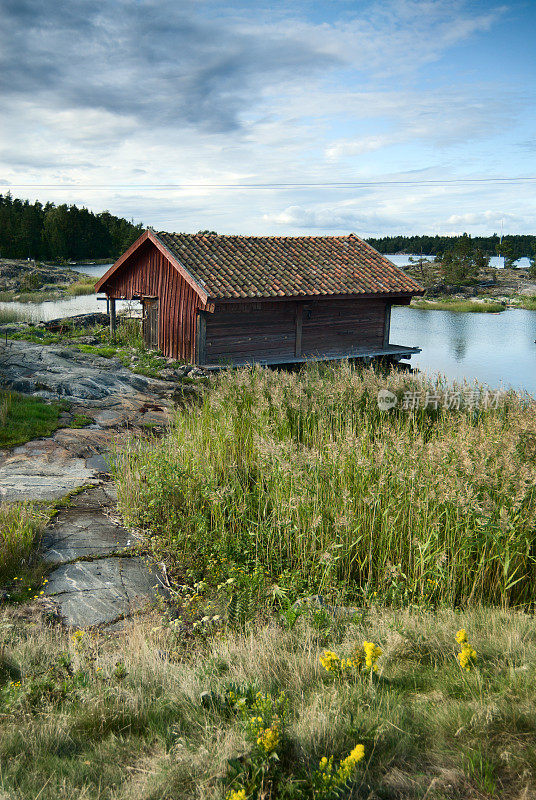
(347,766)
(466,656)
(461,636)
(326,768)
(238,794)
(269,739)
(330,661)
(372,654)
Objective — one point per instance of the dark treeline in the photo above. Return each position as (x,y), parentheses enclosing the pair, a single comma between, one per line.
(61,233)
(514,246)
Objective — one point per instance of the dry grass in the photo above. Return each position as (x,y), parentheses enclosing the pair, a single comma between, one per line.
(303,477)
(125,720)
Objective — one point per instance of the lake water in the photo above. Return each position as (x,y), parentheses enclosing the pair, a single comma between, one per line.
(496,349)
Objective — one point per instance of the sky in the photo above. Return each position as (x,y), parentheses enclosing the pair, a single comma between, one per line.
(274,118)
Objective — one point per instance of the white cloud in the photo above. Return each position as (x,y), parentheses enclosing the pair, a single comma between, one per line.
(155,92)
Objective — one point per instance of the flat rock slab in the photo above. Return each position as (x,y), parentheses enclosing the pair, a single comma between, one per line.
(38,477)
(95,498)
(77,534)
(89,593)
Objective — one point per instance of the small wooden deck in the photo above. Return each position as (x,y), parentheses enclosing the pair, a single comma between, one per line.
(393,351)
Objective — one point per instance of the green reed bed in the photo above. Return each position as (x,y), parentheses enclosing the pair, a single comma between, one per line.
(13,315)
(460,306)
(303,477)
(84,285)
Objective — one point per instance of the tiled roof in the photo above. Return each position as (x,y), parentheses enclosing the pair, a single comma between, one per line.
(280,266)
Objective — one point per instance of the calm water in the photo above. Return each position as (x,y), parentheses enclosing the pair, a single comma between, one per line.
(496,349)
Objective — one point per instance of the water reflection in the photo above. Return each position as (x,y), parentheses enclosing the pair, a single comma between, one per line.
(458,331)
(496,349)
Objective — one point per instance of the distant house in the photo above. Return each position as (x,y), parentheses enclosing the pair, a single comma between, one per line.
(217,300)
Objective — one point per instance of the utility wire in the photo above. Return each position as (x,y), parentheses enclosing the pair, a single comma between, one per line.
(313,185)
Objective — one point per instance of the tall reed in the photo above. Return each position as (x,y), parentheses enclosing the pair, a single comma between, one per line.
(302,473)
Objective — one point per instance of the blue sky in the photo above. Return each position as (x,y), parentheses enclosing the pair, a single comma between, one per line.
(107,103)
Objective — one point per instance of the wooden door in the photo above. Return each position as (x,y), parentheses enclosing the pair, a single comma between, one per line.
(150,322)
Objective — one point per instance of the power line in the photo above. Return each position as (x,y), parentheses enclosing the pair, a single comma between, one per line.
(297,185)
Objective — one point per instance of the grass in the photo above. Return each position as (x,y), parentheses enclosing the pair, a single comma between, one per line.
(527,303)
(28,297)
(20,526)
(269,487)
(461,306)
(301,476)
(23,418)
(85,285)
(13,315)
(80,421)
(148,713)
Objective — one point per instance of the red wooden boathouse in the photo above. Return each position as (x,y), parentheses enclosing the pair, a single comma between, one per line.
(216,300)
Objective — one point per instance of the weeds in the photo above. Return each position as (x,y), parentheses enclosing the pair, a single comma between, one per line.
(301,477)
(141,714)
(20,526)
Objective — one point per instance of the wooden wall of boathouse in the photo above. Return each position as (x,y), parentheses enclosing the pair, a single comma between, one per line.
(149,273)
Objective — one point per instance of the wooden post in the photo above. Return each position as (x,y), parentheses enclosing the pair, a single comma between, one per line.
(387,325)
(299,320)
(201,338)
(112,317)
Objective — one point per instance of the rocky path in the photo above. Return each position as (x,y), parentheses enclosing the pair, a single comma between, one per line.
(97,579)
(120,403)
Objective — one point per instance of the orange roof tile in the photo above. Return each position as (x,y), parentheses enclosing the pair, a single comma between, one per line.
(279,266)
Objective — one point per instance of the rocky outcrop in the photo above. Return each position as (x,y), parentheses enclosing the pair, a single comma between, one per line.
(54,372)
(120,404)
(29,276)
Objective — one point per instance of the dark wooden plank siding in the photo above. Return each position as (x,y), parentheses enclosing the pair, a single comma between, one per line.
(147,272)
(332,327)
(244,332)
